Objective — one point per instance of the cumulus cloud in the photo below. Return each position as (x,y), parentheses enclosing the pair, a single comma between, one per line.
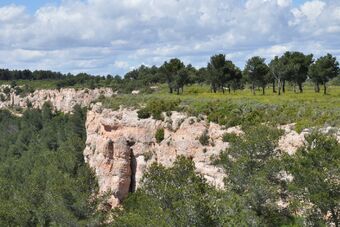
(101,36)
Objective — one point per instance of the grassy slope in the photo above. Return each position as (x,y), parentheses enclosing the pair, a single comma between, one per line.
(307,109)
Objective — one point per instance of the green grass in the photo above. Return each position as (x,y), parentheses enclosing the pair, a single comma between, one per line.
(307,109)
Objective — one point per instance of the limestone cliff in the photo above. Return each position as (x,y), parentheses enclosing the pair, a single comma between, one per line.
(62,100)
(120,146)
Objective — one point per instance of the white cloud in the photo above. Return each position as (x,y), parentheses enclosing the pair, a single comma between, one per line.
(284,3)
(100,36)
(121,64)
(11,12)
(311,10)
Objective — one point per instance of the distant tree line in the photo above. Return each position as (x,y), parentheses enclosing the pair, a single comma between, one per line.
(221,74)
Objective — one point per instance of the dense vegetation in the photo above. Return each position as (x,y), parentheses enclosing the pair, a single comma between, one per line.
(43,178)
(257,180)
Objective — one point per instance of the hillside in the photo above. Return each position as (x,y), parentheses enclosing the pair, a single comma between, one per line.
(236,150)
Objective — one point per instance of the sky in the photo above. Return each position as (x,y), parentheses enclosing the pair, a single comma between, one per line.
(103,37)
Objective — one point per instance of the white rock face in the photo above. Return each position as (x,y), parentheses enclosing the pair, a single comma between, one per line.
(291,140)
(120,147)
(62,100)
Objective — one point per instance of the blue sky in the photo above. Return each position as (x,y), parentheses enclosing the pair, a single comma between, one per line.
(31,5)
(115,36)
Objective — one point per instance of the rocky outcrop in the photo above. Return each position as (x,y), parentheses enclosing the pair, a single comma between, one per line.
(291,140)
(62,100)
(120,147)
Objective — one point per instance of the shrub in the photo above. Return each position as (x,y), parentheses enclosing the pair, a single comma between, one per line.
(229,137)
(2,98)
(204,138)
(156,107)
(148,155)
(7,90)
(143,113)
(159,135)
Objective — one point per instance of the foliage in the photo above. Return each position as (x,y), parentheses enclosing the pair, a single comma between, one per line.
(44,180)
(323,70)
(143,113)
(222,72)
(316,171)
(204,138)
(256,72)
(230,137)
(178,197)
(156,107)
(159,135)
(297,65)
(251,166)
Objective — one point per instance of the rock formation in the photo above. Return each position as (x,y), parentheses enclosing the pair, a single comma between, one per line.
(62,100)
(120,147)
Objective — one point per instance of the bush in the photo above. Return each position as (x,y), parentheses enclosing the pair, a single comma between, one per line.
(148,155)
(159,135)
(2,98)
(230,137)
(204,138)
(7,90)
(143,113)
(156,107)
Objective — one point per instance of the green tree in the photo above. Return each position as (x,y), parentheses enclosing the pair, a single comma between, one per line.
(297,65)
(256,72)
(323,70)
(181,79)
(252,169)
(216,69)
(177,196)
(43,176)
(222,72)
(171,70)
(277,71)
(316,171)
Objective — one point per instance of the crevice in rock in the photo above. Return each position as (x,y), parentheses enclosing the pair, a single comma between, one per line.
(133,166)
(110,149)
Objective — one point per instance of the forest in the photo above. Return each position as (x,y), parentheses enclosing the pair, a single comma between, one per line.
(43,179)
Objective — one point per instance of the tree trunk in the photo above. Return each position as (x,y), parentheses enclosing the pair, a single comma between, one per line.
(229,88)
(253,88)
(177,91)
(279,86)
(324,88)
(274,90)
(300,87)
(283,86)
(263,87)
(317,87)
(214,88)
(222,89)
(170,90)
